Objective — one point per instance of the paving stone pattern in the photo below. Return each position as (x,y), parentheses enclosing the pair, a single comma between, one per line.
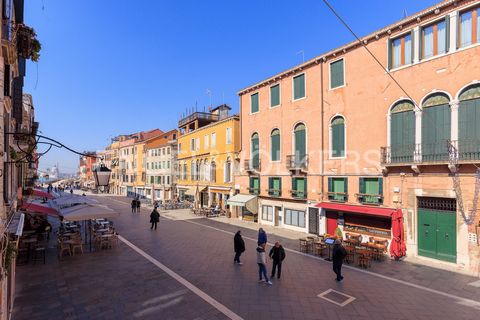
(121,284)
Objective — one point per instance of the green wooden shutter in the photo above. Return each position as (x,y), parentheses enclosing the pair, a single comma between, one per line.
(346,189)
(338,140)
(270,184)
(255,152)
(275,145)
(362,185)
(380,186)
(275,95)
(301,187)
(294,187)
(436,131)
(389,51)
(305,188)
(300,145)
(447,33)
(254,103)
(299,87)
(420,45)
(336,74)
(330,184)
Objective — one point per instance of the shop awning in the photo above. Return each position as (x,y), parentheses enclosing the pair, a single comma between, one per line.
(42,194)
(374,211)
(39,209)
(244,200)
(190,192)
(16,224)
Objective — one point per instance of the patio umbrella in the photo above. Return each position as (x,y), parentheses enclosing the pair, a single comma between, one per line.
(397,246)
(82,212)
(38,209)
(71,200)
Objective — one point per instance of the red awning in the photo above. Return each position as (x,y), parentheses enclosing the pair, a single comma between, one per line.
(374,211)
(42,194)
(39,209)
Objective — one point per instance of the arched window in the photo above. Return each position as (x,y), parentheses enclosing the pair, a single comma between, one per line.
(255,156)
(185,171)
(300,145)
(227,173)
(213,172)
(436,127)
(201,171)
(275,145)
(469,123)
(402,131)
(338,137)
(206,169)
(197,170)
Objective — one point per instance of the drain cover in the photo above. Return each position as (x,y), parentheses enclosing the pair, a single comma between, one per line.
(336,297)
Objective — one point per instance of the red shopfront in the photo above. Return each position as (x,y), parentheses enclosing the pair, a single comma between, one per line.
(366,221)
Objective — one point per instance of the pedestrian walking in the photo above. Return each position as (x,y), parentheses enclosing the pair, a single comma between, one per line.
(71,191)
(138,204)
(154,218)
(134,205)
(238,246)
(262,237)
(338,254)
(262,264)
(277,254)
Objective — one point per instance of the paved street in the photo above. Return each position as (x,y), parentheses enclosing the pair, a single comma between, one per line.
(123,283)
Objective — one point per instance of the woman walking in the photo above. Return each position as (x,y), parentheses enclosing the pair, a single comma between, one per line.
(154,218)
(262,264)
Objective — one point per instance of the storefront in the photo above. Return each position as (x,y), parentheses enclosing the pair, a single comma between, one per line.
(246,206)
(369,222)
(219,196)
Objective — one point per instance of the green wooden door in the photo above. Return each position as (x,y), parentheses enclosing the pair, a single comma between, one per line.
(300,144)
(469,129)
(435,132)
(437,236)
(255,152)
(402,134)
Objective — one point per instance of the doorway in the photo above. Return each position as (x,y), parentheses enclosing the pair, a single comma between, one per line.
(313,220)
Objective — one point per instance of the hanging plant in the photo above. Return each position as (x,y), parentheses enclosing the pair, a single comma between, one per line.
(10,254)
(36,47)
(13,154)
(28,46)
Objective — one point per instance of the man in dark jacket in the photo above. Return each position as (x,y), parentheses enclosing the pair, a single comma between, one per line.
(154,218)
(138,204)
(238,246)
(134,205)
(338,254)
(277,254)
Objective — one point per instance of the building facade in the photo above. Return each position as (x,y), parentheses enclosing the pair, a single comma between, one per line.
(208,145)
(348,143)
(160,156)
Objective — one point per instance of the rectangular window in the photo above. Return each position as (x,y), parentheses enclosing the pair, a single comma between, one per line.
(179,148)
(214,140)
(434,39)
(337,76)
(275,96)
(275,186)
(168,179)
(466,29)
(168,150)
(337,189)
(254,185)
(229,136)
(192,145)
(401,51)
(295,218)
(254,103)
(371,190)
(267,213)
(299,87)
(197,144)
(299,188)
(206,142)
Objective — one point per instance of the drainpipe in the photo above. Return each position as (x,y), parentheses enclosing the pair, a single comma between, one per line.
(322,189)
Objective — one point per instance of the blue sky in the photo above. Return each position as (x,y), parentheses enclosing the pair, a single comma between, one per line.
(114,66)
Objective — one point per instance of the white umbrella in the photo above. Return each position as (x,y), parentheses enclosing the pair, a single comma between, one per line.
(71,200)
(82,212)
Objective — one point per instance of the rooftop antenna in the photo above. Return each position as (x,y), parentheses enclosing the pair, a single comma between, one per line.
(405,14)
(302,52)
(209,93)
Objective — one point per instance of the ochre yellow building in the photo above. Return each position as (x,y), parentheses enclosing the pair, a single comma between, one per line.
(208,146)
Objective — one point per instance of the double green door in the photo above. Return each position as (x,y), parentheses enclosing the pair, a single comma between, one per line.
(437,235)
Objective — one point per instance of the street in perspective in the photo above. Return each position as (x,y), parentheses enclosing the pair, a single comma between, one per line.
(255,160)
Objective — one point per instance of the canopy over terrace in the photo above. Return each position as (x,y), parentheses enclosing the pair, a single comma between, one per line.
(244,200)
(80,212)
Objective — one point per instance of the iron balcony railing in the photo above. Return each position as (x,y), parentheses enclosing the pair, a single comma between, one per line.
(338,196)
(252,164)
(198,116)
(255,191)
(274,192)
(369,198)
(298,194)
(296,162)
(466,150)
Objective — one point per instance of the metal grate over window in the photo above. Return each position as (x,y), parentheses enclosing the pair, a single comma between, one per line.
(443,204)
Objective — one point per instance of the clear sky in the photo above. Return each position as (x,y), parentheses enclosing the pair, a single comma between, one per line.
(111,67)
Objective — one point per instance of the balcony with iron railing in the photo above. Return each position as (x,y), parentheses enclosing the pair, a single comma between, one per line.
(252,165)
(337,196)
(297,163)
(254,191)
(202,116)
(298,194)
(370,198)
(465,151)
(274,192)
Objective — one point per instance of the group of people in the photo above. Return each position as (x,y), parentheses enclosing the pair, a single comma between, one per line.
(277,255)
(135,205)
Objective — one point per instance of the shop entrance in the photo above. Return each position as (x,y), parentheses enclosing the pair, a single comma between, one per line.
(313,220)
(437,233)
(331,222)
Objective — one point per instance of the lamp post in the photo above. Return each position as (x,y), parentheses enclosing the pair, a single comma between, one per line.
(102,175)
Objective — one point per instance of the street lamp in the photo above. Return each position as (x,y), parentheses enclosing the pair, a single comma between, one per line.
(102,176)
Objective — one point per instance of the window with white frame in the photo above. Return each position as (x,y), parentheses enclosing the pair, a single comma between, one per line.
(434,39)
(192,145)
(267,213)
(206,142)
(400,51)
(337,74)
(214,140)
(469,28)
(299,87)
(295,218)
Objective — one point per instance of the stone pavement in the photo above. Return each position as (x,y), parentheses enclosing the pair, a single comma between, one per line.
(121,284)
